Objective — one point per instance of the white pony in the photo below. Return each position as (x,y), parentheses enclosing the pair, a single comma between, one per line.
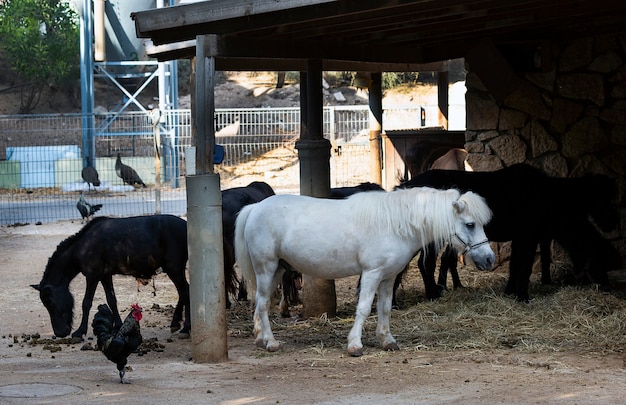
(371,234)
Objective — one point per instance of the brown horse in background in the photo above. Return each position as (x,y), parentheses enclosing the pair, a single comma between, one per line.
(454,159)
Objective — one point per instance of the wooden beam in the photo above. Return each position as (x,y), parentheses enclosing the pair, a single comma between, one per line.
(187,50)
(188,20)
(375,101)
(237,47)
(442,99)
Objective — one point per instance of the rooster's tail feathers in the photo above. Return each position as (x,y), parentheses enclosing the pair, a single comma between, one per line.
(103,322)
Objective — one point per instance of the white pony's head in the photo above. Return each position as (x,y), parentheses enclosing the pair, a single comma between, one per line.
(471,215)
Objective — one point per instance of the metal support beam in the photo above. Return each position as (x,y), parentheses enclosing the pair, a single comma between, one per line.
(86,85)
(204,226)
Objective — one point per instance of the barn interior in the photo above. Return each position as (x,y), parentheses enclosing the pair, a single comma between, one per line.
(546,82)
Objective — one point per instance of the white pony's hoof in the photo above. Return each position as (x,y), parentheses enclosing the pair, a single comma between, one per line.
(391,347)
(355,351)
(273,347)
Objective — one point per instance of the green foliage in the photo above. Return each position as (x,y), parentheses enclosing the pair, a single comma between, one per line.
(40,38)
(394,79)
(389,79)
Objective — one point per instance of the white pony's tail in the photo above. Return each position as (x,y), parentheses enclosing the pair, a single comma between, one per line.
(243,264)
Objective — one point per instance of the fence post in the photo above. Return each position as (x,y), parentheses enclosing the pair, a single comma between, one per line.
(331,124)
(155,117)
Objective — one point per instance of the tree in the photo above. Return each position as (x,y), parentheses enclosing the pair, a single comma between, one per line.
(40,38)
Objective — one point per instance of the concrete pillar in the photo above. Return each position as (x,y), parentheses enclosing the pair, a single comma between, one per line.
(206,269)
(318,296)
(204,221)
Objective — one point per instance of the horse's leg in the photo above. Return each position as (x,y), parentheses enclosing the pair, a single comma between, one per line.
(176,273)
(383,308)
(546,258)
(521,266)
(242,295)
(369,284)
(396,284)
(444,265)
(284,306)
(453,260)
(109,292)
(263,336)
(427,264)
(90,291)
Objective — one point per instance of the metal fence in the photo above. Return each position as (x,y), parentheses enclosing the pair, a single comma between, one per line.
(41,158)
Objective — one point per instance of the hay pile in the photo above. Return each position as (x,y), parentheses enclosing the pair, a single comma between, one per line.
(478,317)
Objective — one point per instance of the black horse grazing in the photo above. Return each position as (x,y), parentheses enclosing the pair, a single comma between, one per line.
(233,200)
(135,246)
(529,208)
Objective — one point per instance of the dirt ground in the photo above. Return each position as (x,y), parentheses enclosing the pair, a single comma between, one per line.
(312,367)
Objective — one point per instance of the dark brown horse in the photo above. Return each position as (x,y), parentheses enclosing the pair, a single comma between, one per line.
(135,246)
(530,207)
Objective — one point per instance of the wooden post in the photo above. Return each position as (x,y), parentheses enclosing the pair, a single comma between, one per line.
(375,99)
(442,98)
(318,296)
(204,221)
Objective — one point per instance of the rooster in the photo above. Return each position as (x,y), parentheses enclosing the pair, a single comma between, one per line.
(117,343)
(86,209)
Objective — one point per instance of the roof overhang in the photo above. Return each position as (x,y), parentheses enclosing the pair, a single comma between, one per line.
(374,35)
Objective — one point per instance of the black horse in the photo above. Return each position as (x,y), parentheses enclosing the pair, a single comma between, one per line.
(529,208)
(338,193)
(233,200)
(135,246)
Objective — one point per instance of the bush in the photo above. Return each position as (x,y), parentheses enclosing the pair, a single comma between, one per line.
(41,39)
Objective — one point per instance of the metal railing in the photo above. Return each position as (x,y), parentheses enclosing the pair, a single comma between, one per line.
(41,158)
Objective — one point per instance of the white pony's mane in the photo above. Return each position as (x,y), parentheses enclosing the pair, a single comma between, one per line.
(420,211)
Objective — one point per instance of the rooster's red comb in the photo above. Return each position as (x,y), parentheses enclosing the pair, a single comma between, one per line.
(136,307)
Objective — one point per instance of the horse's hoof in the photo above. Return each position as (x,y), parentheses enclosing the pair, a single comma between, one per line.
(391,347)
(174,327)
(259,343)
(184,335)
(355,351)
(273,347)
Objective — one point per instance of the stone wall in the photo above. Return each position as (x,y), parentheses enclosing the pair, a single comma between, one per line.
(568,121)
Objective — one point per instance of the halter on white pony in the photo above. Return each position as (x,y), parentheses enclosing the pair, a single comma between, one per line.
(373,234)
